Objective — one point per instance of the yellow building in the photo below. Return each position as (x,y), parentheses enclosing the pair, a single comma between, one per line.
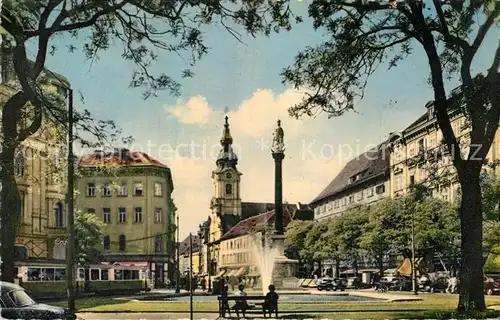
(131,193)
(184,263)
(418,155)
(42,230)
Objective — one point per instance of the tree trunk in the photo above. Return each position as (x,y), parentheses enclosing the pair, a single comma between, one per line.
(10,211)
(10,208)
(471,270)
(337,268)
(381,264)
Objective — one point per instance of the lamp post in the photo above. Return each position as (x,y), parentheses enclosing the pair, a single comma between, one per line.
(413,271)
(70,266)
(178,273)
(190,276)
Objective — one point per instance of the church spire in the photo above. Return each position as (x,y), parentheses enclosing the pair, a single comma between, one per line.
(227,158)
(226,141)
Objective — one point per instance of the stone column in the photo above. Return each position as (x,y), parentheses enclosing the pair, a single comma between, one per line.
(278,192)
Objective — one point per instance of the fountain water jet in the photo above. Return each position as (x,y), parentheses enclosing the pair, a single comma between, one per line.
(264,256)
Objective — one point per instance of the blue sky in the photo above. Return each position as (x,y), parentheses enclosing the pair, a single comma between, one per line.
(231,75)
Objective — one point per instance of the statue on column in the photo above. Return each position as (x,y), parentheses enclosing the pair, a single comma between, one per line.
(278,140)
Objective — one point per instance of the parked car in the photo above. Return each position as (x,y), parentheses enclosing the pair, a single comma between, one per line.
(491,284)
(16,303)
(329,284)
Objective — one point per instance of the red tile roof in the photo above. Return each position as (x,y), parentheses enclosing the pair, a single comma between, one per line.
(125,157)
(266,218)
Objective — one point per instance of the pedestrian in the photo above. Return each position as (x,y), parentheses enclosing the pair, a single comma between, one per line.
(203,284)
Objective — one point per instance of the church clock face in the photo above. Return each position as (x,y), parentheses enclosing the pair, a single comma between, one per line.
(229,175)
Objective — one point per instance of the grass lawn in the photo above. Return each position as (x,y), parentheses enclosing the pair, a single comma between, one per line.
(432,306)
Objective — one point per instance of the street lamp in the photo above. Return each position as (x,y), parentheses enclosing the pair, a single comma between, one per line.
(413,270)
(178,275)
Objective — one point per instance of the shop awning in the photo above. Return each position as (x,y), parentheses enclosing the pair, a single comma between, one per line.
(231,273)
(405,268)
(240,272)
(220,273)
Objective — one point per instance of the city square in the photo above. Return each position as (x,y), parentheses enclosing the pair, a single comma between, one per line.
(250,159)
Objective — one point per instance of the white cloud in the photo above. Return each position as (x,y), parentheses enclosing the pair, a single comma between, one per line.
(194,111)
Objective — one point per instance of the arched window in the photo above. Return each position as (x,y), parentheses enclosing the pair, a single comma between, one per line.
(229,189)
(58,215)
(122,242)
(106,243)
(19,163)
(157,244)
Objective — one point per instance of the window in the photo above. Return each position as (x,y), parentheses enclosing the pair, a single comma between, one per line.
(122,243)
(90,210)
(360,196)
(90,190)
(94,274)
(123,190)
(344,201)
(229,189)
(380,189)
(19,163)
(138,189)
(336,204)
(106,215)
(138,214)
(329,206)
(369,192)
(157,244)
(158,189)
(58,215)
(106,243)
(323,208)
(157,215)
(421,145)
(398,182)
(351,199)
(423,174)
(412,180)
(104,274)
(106,191)
(432,142)
(122,215)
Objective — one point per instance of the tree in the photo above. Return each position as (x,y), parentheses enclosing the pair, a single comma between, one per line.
(296,233)
(141,26)
(88,236)
(363,34)
(351,228)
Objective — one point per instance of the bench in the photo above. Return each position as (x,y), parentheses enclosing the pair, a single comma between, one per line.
(251,309)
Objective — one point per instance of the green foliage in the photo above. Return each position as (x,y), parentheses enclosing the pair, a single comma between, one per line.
(88,236)
(296,232)
(383,229)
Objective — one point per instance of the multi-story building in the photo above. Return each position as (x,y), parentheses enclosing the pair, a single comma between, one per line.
(363,180)
(131,193)
(419,156)
(41,236)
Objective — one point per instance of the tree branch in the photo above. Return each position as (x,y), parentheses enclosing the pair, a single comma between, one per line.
(483,29)
(462,44)
(77,25)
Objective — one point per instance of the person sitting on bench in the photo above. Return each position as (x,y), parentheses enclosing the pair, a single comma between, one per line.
(241,305)
(271,302)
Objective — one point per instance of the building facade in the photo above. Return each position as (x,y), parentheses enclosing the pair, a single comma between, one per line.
(184,254)
(41,236)
(363,180)
(419,156)
(131,194)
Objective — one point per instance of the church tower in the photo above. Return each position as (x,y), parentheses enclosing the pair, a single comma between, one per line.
(226,201)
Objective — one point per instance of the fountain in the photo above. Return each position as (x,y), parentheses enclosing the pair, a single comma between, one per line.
(274,267)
